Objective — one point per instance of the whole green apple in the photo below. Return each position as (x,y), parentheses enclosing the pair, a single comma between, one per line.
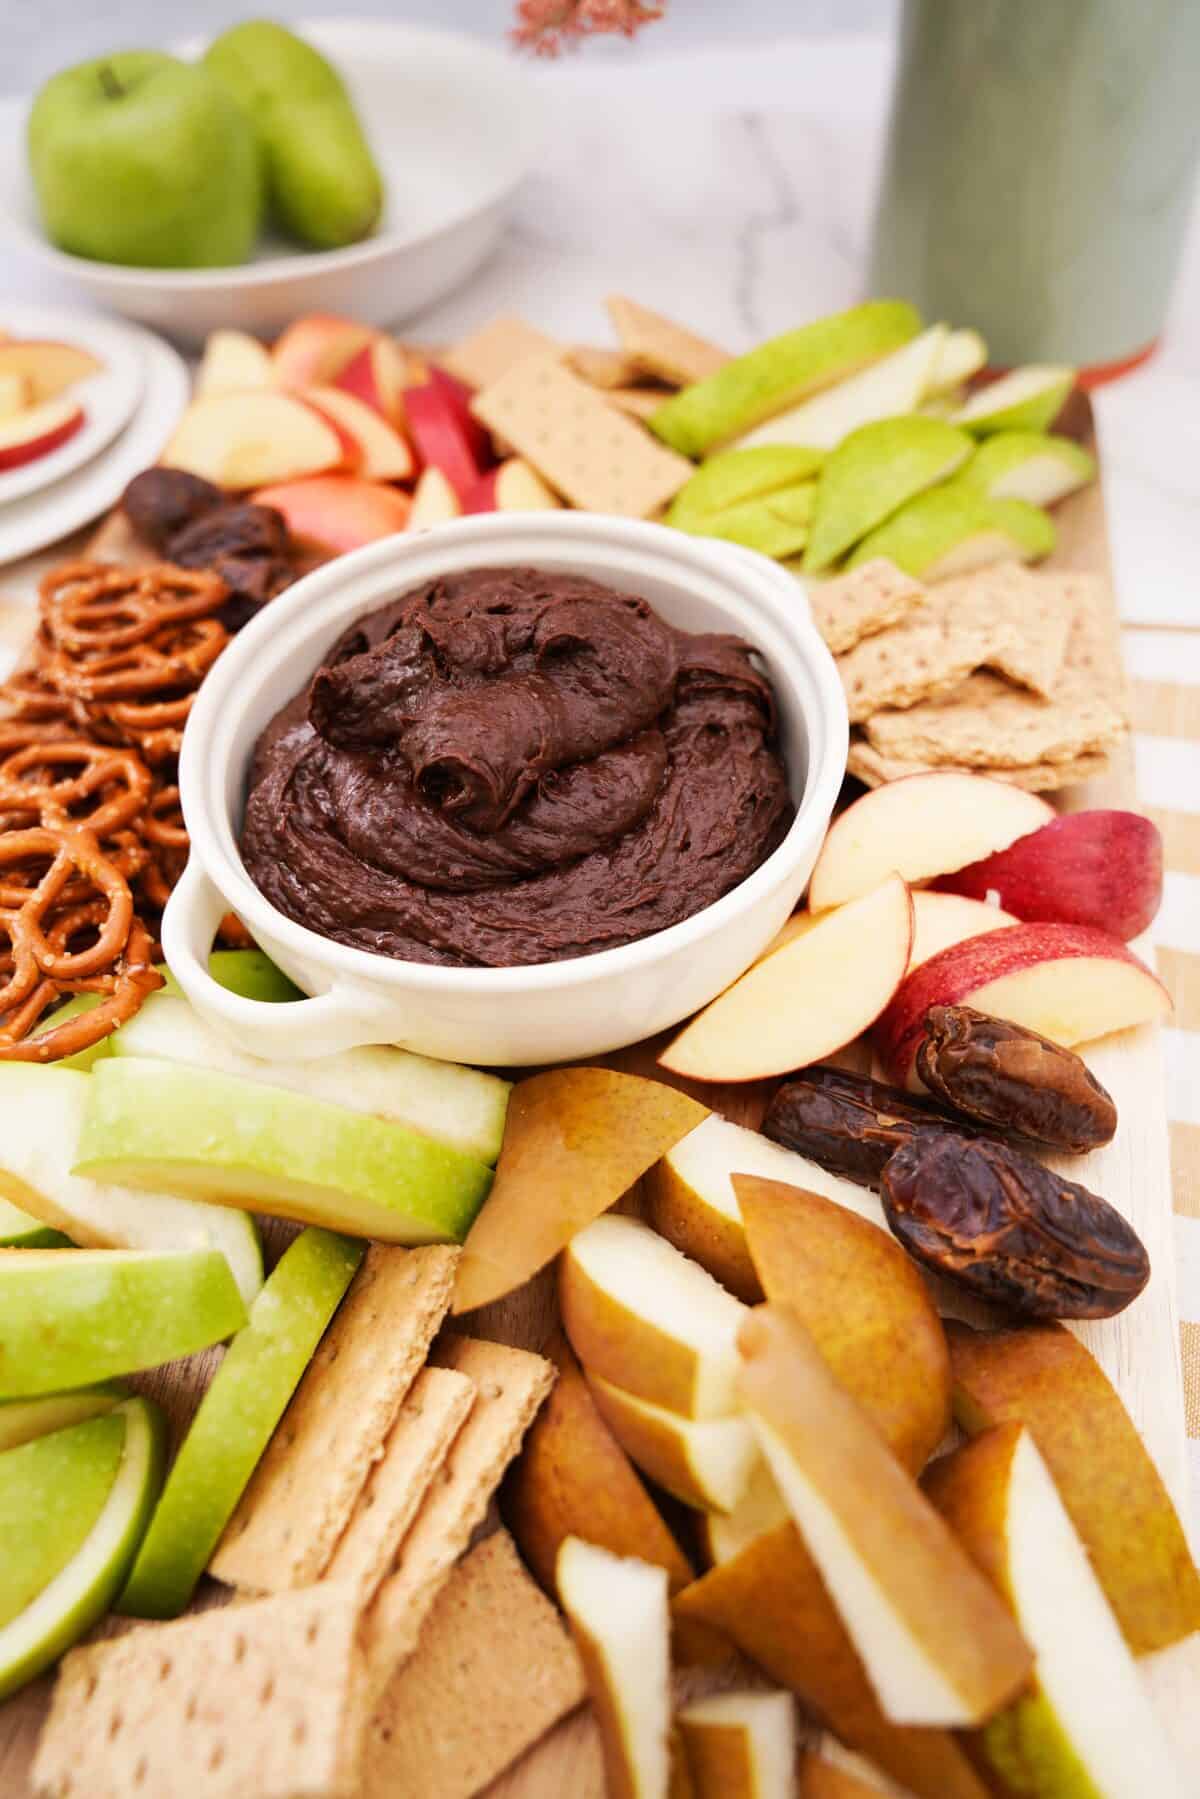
(139,158)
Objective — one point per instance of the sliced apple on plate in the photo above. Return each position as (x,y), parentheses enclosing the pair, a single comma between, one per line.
(73,1507)
(808,999)
(233,361)
(16,394)
(1086,1724)
(942,919)
(336,513)
(704,1462)
(512,486)
(235,1419)
(316,348)
(1029,465)
(1026,399)
(240,440)
(49,368)
(953,529)
(383,454)
(885,389)
(921,826)
(445,435)
(874,472)
(21,1420)
(24,436)
(434,501)
(740,1745)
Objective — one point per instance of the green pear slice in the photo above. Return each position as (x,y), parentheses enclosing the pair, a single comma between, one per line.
(774,525)
(954,529)
(1029,465)
(781,372)
(165,1125)
(59,1487)
(885,389)
(43,1109)
(114,1311)
(236,1418)
(732,476)
(1027,399)
(456,1105)
(872,474)
(21,1420)
(961,354)
(19,1230)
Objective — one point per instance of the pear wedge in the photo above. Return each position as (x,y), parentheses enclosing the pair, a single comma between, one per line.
(954,529)
(775,524)
(1026,399)
(874,472)
(734,476)
(761,1508)
(707,1463)
(828,1771)
(21,1230)
(885,389)
(1086,1727)
(21,1420)
(961,354)
(740,1745)
(1029,465)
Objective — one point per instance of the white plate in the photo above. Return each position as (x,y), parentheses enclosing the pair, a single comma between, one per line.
(108,398)
(455,127)
(91,490)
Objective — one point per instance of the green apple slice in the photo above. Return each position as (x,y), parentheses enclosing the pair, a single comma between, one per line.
(21,1420)
(74,1316)
(43,1110)
(872,474)
(18,1230)
(457,1105)
(1029,465)
(954,529)
(961,354)
(78,1496)
(162,1125)
(236,1418)
(1028,399)
(780,373)
(885,389)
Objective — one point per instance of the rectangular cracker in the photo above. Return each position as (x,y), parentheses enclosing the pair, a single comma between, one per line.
(603,368)
(510,1386)
(1028,616)
(660,346)
(494,1671)
(867,599)
(303,1491)
(986,723)
(916,660)
(595,456)
(258,1701)
(430,1418)
(489,353)
(868,765)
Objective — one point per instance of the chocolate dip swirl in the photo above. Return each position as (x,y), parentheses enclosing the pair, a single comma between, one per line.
(506,767)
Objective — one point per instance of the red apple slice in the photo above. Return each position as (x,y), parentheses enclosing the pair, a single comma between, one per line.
(16,393)
(514,486)
(232,362)
(441,438)
(922,826)
(376,375)
(246,439)
(942,919)
(1102,868)
(50,367)
(316,348)
(338,512)
(434,501)
(460,396)
(38,430)
(1069,982)
(808,999)
(383,454)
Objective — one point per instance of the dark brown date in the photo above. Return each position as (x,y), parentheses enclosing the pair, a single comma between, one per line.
(1011,1230)
(227,530)
(1010,1078)
(160,502)
(847,1123)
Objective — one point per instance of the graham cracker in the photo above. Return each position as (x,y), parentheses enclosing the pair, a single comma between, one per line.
(303,1491)
(986,723)
(867,599)
(489,353)
(430,1418)
(594,455)
(494,1671)
(868,765)
(510,1385)
(1029,616)
(661,347)
(604,368)
(258,1701)
(924,656)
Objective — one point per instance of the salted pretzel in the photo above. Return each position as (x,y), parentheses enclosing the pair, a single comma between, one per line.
(177,656)
(70,853)
(50,780)
(122,989)
(29,697)
(91,605)
(162,820)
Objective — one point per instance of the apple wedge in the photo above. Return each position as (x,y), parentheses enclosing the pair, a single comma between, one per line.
(1101,868)
(16,394)
(617,1610)
(48,367)
(44,1110)
(761,1508)
(706,1463)
(642,1316)
(165,1126)
(806,1000)
(115,1311)
(864,1304)
(953,529)
(1029,465)
(337,513)
(21,1420)
(232,362)
(444,434)
(383,453)
(874,472)
(1087,1724)
(572,1479)
(740,1745)
(1026,399)
(921,826)
(434,501)
(236,1417)
(943,919)
(24,436)
(937,1645)
(1068,982)
(376,375)
(1042,1377)
(248,439)
(513,486)
(21,1230)
(691,1201)
(74,1506)
(885,389)
(316,348)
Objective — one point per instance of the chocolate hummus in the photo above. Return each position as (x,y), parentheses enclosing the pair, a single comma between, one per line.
(506,766)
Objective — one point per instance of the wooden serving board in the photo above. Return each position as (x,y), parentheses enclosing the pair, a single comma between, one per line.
(1139,1350)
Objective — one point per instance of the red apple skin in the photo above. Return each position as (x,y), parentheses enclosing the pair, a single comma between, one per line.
(375,375)
(954,974)
(315,348)
(459,396)
(19,451)
(440,439)
(1102,868)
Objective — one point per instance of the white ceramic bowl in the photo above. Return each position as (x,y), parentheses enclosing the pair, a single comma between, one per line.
(508,1016)
(455,127)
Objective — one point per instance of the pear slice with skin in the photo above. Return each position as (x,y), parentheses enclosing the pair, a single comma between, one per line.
(1029,465)
(733,476)
(954,529)
(874,472)
(775,524)
(1087,1726)
(21,1230)
(886,389)
(617,1610)
(937,1645)
(829,1771)
(706,1463)
(83,1585)
(21,1420)
(740,1745)
(962,354)
(723,1535)
(1026,399)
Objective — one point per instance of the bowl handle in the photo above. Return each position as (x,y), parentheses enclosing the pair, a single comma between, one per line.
(296,1031)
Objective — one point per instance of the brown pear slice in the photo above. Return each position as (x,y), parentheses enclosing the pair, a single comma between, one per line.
(741,1745)
(706,1462)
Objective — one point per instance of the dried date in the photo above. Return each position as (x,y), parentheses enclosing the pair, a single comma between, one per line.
(847,1123)
(1011,1230)
(1012,1079)
(229,530)
(161,502)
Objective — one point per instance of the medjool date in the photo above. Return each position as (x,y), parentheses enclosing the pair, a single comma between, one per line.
(160,502)
(1010,1078)
(847,1123)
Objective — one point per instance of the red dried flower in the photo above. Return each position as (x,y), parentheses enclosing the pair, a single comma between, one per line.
(548,26)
